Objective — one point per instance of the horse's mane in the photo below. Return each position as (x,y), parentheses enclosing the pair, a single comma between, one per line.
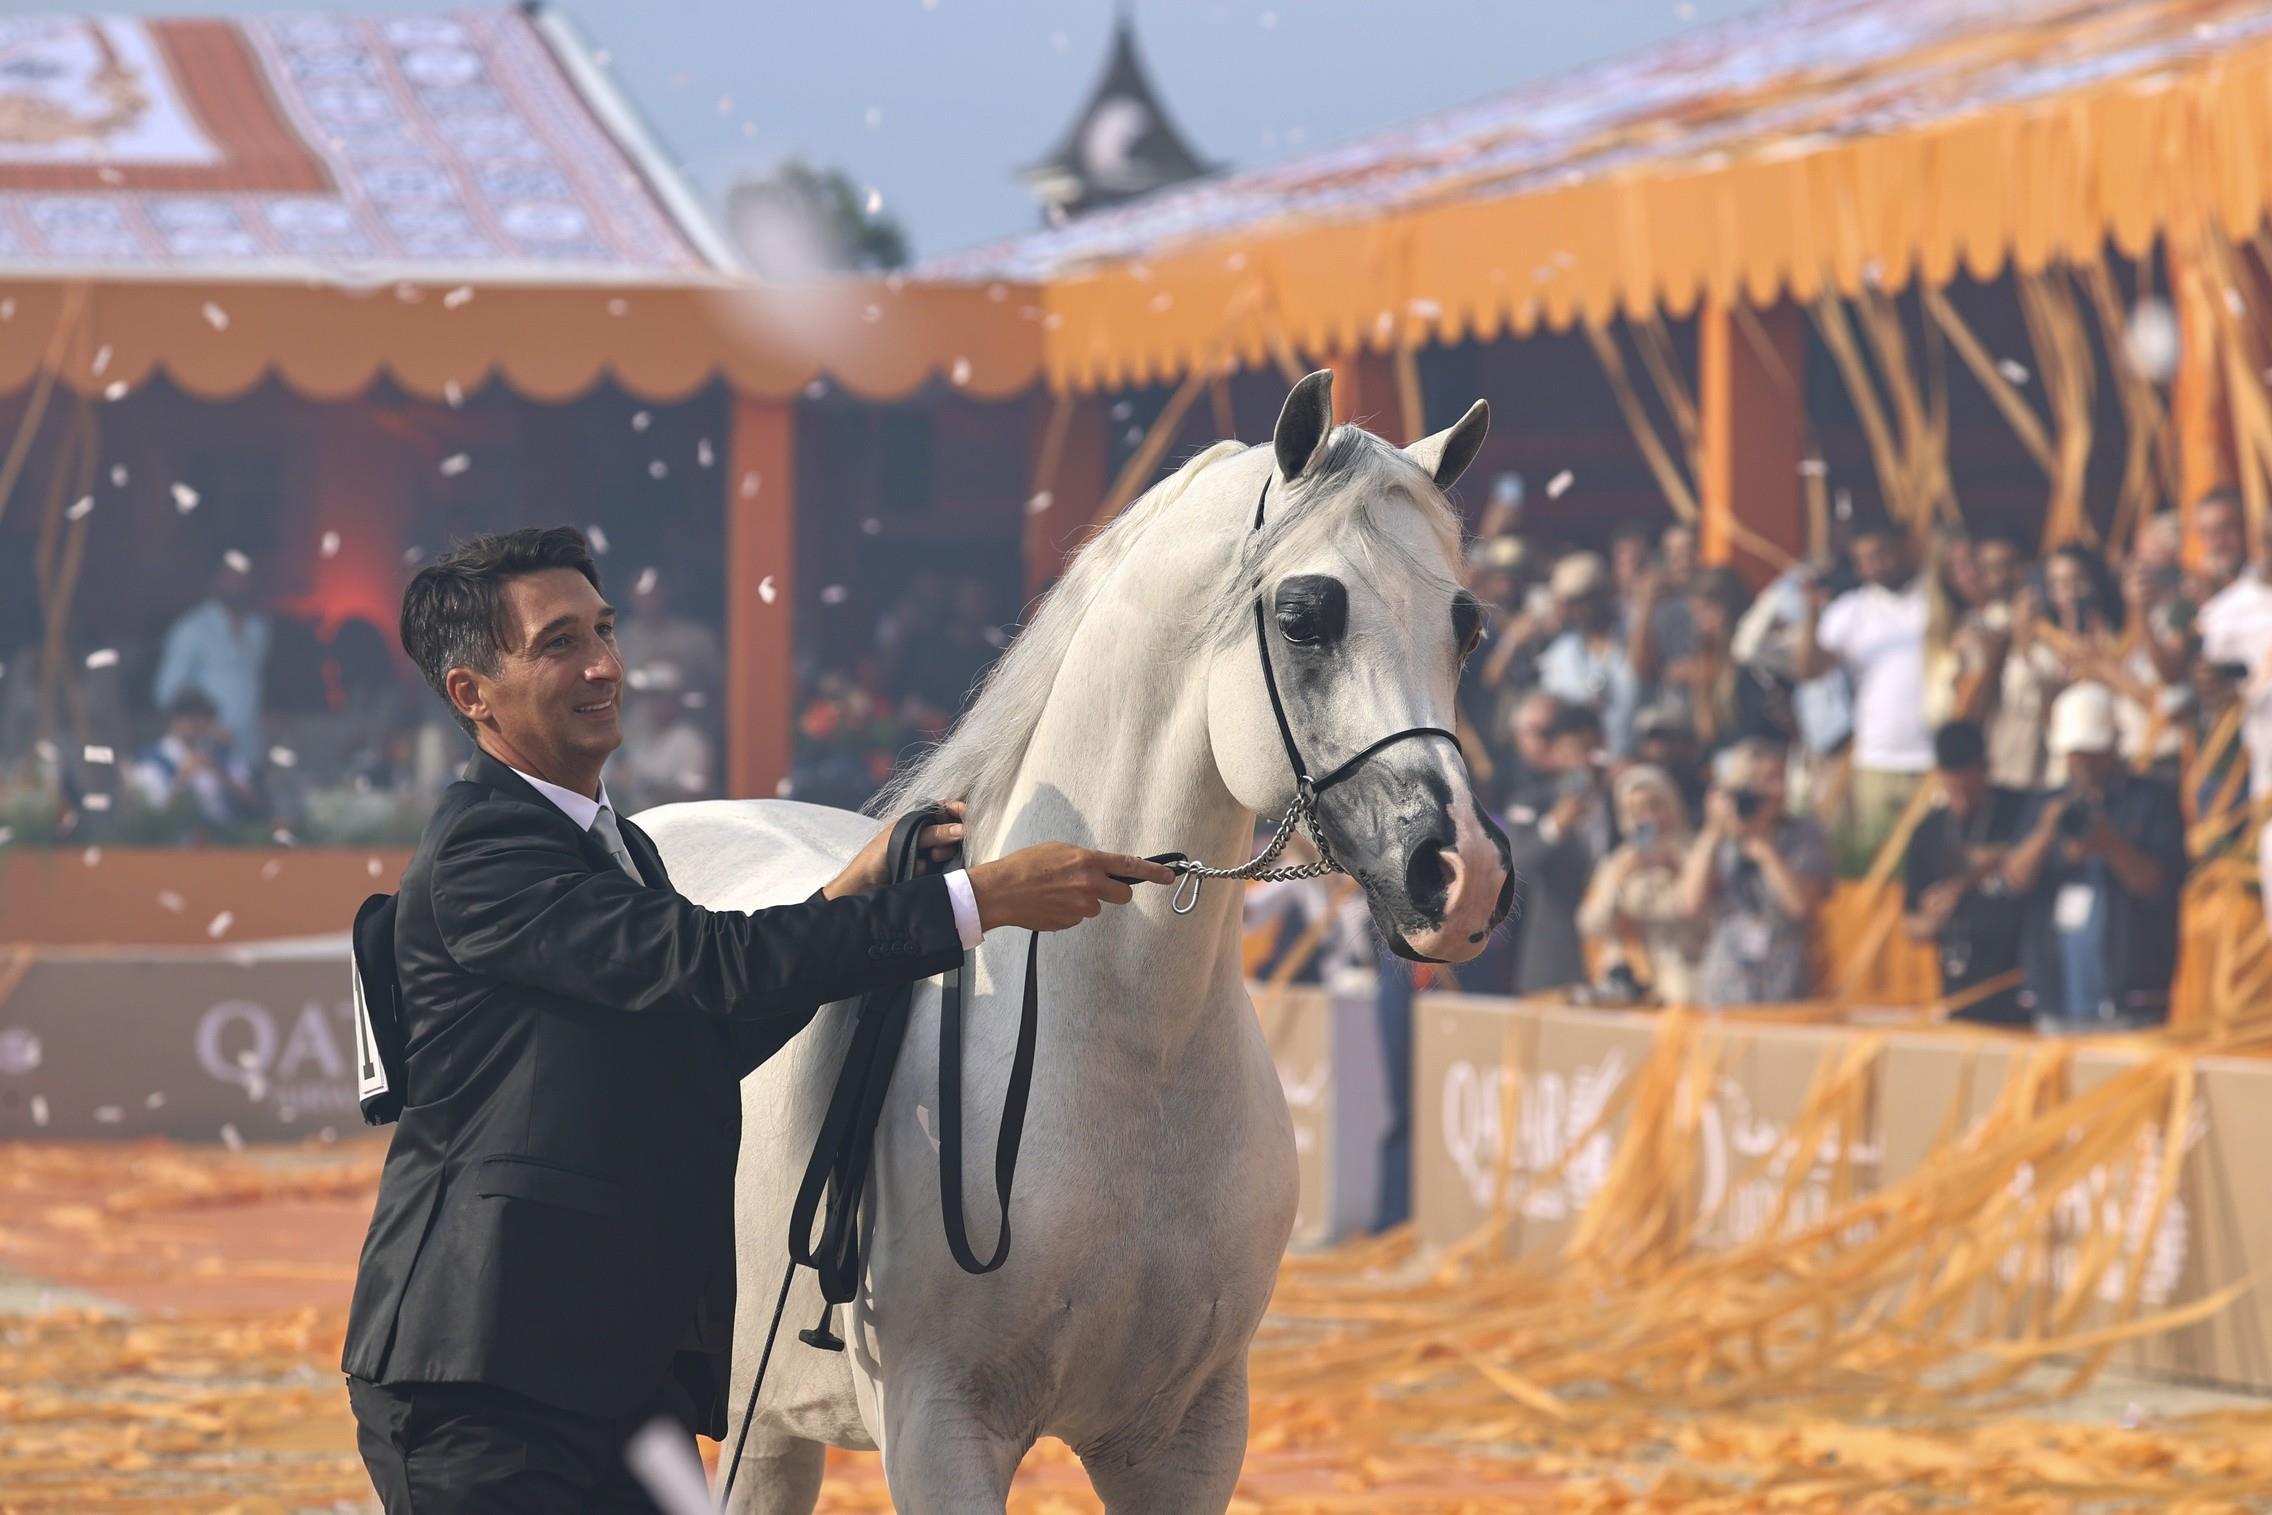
(978,759)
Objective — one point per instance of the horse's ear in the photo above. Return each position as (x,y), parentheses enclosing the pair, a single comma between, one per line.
(1302,425)
(1446,454)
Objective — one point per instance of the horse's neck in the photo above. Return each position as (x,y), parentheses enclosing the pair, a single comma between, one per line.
(1121,761)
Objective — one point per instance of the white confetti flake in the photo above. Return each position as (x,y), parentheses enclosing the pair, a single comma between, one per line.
(1560,484)
(875,201)
(871,527)
(765,590)
(103,657)
(704,455)
(2233,302)
(619,307)
(642,419)
(171,903)
(108,1115)
(411,555)
(725,105)
(657,469)
(102,359)
(7,835)
(237,561)
(645,583)
(115,390)
(92,857)
(2013,370)
(39,1109)
(751,483)
(154,1100)
(874,116)
(2150,339)
(662,1458)
(1040,503)
(371,866)
(816,390)
(230,1138)
(455,464)
(216,317)
(282,837)
(457,297)
(95,754)
(8,309)
(783,788)
(81,508)
(834,594)
(871,313)
(96,802)
(960,373)
(1813,468)
(283,757)
(329,546)
(185,498)
(218,927)
(597,540)
(453,393)
(118,475)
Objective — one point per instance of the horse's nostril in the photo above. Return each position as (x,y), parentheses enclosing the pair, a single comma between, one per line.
(1428,877)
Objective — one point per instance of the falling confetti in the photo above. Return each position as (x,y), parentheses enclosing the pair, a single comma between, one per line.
(960,373)
(109,1115)
(283,757)
(598,540)
(411,555)
(95,754)
(237,561)
(216,317)
(1040,503)
(171,902)
(453,393)
(645,583)
(39,1109)
(751,482)
(96,802)
(2150,340)
(7,835)
(2012,369)
(103,657)
(1813,468)
(1557,486)
(455,464)
(618,307)
(2233,303)
(81,508)
(642,419)
(282,837)
(703,455)
(457,297)
(185,498)
(871,527)
(115,390)
(8,309)
(766,591)
(875,201)
(102,359)
(725,105)
(230,1137)
(218,927)
(371,866)
(834,594)
(329,546)
(782,788)
(118,475)
(154,1100)
(657,469)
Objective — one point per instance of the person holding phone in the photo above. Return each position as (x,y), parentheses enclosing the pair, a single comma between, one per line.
(1759,874)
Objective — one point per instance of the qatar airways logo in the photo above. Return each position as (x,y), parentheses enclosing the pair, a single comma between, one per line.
(296,1060)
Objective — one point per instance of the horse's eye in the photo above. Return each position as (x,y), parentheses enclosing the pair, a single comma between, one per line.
(1467,624)
(1312,608)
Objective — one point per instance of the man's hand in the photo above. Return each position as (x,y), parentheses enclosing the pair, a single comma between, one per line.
(1053,885)
(1939,902)
(871,869)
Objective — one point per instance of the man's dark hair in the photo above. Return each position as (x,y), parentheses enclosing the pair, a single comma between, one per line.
(453,613)
(1574,720)
(1960,745)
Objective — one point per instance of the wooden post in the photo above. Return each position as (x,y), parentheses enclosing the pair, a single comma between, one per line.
(1753,438)
(1070,468)
(761,556)
(1365,390)
(2200,420)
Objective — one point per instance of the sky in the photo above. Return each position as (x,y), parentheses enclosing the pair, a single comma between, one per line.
(937,103)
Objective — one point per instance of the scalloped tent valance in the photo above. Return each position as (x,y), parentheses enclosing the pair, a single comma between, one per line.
(217,339)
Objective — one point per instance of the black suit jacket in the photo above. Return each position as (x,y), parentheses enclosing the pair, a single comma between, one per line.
(555,1216)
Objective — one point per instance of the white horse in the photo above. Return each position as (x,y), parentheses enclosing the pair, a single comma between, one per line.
(1158,1184)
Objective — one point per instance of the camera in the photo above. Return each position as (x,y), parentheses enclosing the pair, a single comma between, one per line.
(2076,817)
(1748,802)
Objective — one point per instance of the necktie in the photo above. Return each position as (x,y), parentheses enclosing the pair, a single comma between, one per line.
(611,837)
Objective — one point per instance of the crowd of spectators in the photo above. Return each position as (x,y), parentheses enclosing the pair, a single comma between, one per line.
(241,723)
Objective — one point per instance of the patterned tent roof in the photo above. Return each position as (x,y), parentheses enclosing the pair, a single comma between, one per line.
(480,142)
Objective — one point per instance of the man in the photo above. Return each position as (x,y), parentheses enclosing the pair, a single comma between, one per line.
(2100,868)
(1952,883)
(2220,537)
(1587,663)
(1554,854)
(1759,874)
(550,1264)
(1876,633)
(219,647)
(2236,633)
(192,769)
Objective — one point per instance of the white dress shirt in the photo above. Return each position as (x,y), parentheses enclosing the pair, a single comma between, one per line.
(583,811)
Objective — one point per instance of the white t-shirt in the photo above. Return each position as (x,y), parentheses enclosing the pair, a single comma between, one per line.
(1879,635)
(2236,627)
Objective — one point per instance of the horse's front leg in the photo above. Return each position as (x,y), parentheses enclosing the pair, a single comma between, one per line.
(946,1453)
(1196,1471)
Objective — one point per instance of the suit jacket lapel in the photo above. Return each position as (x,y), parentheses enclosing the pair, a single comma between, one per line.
(644,853)
(484,769)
